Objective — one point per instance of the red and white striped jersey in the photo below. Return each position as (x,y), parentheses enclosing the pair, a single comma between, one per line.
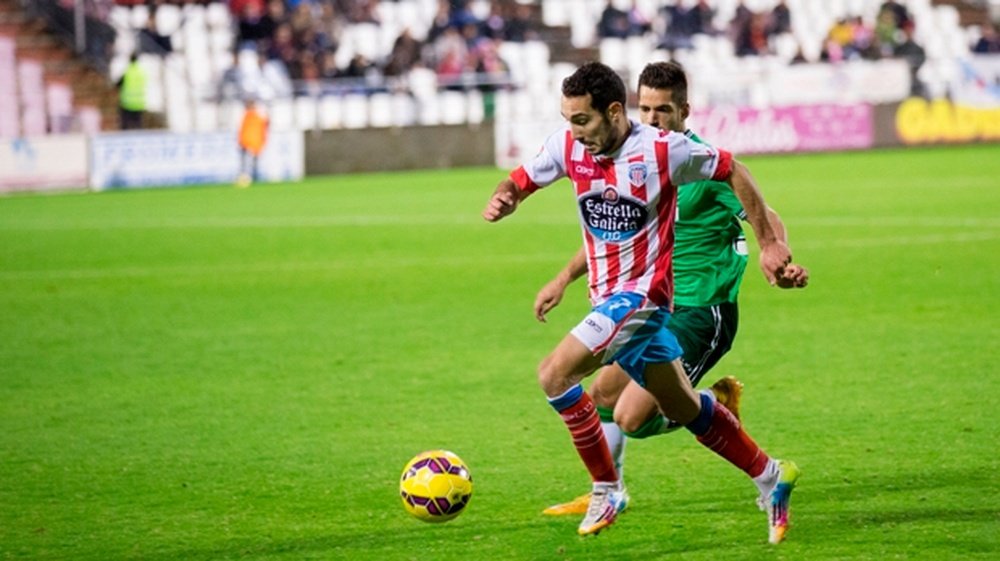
(627,203)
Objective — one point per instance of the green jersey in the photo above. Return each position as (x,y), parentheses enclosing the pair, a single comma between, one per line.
(710,250)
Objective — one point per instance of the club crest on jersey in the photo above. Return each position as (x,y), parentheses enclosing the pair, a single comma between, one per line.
(611,216)
(637,174)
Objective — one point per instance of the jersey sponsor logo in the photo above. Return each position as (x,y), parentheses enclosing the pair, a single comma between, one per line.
(637,174)
(584,170)
(611,216)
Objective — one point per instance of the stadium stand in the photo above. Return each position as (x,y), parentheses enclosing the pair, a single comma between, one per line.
(326,64)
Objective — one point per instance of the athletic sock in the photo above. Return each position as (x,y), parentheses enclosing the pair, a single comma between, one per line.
(615,437)
(719,431)
(767,478)
(578,412)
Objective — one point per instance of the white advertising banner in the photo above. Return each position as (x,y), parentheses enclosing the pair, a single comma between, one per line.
(147,159)
(978,82)
(43,163)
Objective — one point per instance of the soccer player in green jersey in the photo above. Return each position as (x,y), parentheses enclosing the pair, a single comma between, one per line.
(710,256)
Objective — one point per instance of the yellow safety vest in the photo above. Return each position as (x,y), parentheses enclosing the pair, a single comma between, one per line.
(133,92)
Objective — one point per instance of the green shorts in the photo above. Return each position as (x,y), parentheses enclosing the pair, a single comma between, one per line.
(705,333)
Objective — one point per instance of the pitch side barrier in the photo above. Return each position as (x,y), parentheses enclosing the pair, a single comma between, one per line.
(137,159)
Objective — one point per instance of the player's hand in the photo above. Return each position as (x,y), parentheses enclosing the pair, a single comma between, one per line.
(794,276)
(548,297)
(501,204)
(774,257)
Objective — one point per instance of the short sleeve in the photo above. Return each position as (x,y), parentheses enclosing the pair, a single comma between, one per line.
(692,161)
(548,165)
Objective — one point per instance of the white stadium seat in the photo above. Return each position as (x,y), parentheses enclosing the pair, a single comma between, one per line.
(380,112)
(331,112)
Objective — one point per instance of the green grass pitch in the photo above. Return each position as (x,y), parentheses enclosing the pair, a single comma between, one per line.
(213,373)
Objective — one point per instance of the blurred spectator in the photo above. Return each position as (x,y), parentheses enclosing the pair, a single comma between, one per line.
(450,55)
(914,56)
(282,47)
(461,14)
(132,95)
(360,68)
(238,7)
(231,85)
(863,42)
(900,15)
(268,79)
(705,16)
(328,66)
(638,21)
(990,40)
(682,23)
(780,20)
(492,69)
(253,25)
(330,26)
(837,45)
(151,41)
(301,18)
(751,39)
(741,17)
(470,33)
(405,54)
(613,23)
(440,22)
(495,24)
(362,11)
(886,29)
(521,25)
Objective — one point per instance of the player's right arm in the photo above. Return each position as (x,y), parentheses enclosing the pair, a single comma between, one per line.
(544,169)
(551,294)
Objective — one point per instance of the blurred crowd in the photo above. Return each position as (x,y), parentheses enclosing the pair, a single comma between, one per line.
(752,33)
(297,41)
(304,36)
(676,25)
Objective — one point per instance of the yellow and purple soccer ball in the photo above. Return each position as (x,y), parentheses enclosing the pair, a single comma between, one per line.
(435,486)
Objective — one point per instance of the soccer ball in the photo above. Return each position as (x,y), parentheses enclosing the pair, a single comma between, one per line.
(435,486)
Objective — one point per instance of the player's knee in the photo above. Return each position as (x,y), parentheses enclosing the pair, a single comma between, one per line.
(602,397)
(551,377)
(629,422)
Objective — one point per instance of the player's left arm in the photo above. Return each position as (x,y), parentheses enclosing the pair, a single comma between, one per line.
(794,275)
(699,161)
(551,294)
(774,252)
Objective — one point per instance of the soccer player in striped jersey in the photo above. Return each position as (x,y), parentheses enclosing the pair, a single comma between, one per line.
(710,257)
(624,177)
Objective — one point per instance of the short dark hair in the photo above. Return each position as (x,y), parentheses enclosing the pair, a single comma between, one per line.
(666,76)
(603,84)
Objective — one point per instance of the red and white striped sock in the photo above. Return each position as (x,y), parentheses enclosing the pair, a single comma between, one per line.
(577,410)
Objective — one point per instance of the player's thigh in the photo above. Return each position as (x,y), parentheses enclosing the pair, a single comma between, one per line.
(705,333)
(608,385)
(635,406)
(566,366)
